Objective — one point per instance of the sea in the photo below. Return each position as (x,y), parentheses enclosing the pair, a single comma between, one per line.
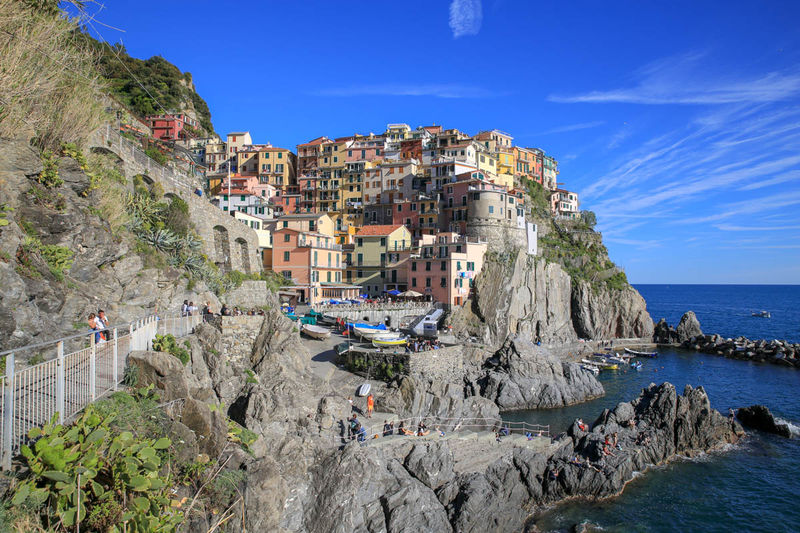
(750,486)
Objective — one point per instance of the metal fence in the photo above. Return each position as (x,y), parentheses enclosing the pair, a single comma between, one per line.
(66,384)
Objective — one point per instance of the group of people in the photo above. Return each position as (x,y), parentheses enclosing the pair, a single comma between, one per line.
(188,308)
(98,323)
(235,311)
(423,345)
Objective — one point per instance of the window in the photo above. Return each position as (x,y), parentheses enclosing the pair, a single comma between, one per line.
(329,276)
(287,237)
(470,266)
(427,282)
(360,259)
(383,274)
(285,256)
(335,159)
(280,155)
(287,274)
(414,266)
(285,223)
(399,208)
(383,241)
(413,282)
(427,265)
(360,242)
(360,274)
(311,225)
(491,209)
(444,266)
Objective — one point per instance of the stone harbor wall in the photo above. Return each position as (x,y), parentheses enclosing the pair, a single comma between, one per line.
(437,365)
(393,317)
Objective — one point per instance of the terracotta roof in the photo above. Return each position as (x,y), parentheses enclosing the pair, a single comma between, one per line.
(378,230)
(318,140)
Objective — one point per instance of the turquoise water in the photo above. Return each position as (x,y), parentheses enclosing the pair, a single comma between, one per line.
(753,486)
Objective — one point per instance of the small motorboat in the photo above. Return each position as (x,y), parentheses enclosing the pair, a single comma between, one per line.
(363,390)
(315,332)
(636,365)
(762,314)
(381,341)
(613,358)
(601,365)
(641,354)
(591,368)
(368,333)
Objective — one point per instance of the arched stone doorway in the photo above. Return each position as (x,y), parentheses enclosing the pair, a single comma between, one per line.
(222,248)
(244,252)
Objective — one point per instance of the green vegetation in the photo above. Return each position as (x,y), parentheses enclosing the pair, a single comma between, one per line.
(539,198)
(163,81)
(167,343)
(383,371)
(589,218)
(73,151)
(58,258)
(49,174)
(111,187)
(156,155)
(4,210)
(49,85)
(93,474)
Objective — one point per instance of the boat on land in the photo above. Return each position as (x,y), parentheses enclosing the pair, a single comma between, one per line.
(363,390)
(641,354)
(315,332)
(368,333)
(613,358)
(391,339)
(762,314)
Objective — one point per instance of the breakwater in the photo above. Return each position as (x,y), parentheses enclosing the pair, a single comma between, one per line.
(775,351)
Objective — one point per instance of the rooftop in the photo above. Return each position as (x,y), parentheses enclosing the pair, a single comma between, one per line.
(386,229)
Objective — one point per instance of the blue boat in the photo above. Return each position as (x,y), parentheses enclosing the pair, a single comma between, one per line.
(364,325)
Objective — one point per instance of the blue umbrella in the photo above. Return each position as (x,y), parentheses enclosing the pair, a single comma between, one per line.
(393,292)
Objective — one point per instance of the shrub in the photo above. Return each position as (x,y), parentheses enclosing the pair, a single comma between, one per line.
(73,151)
(49,174)
(89,474)
(156,155)
(167,343)
(58,258)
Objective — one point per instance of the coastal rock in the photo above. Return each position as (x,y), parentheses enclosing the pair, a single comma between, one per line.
(759,417)
(688,327)
(663,333)
(526,376)
(162,370)
(602,313)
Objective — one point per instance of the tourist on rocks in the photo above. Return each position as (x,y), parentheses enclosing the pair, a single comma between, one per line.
(192,309)
(225,311)
(387,428)
(207,312)
(607,451)
(616,443)
(370,405)
(185,308)
(554,474)
(582,425)
(92,321)
(731,413)
(353,425)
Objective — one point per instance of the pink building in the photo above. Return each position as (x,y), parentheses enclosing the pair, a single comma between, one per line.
(446,267)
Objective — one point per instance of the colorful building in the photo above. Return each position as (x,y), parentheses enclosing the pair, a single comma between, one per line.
(376,253)
(564,203)
(173,126)
(445,267)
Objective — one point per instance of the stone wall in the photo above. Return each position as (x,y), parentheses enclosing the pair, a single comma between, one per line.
(230,244)
(238,336)
(500,235)
(397,317)
(437,365)
(251,294)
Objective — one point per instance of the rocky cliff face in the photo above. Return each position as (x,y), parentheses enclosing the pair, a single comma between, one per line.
(106,272)
(602,313)
(525,376)
(528,298)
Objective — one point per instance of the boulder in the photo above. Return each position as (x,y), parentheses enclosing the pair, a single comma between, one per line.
(164,371)
(688,327)
(210,427)
(431,463)
(759,417)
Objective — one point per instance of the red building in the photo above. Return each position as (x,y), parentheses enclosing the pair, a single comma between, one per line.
(171,127)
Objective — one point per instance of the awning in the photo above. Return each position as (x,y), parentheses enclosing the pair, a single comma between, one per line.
(393,292)
(411,294)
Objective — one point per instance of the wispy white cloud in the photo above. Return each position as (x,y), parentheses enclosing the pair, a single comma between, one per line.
(466,17)
(793,175)
(732,227)
(574,127)
(638,243)
(439,90)
(685,80)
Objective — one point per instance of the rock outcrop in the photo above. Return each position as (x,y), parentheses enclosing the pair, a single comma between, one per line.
(759,417)
(688,327)
(410,485)
(528,298)
(522,375)
(602,313)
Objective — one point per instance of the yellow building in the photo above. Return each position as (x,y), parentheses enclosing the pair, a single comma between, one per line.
(376,248)
(277,166)
(331,163)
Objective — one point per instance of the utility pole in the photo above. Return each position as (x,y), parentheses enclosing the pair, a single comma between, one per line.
(230,200)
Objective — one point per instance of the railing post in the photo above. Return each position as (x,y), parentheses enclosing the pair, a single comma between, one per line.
(130,338)
(8,413)
(92,367)
(114,370)
(60,382)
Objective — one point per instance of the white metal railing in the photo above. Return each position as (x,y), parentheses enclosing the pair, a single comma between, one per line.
(434,424)
(67,383)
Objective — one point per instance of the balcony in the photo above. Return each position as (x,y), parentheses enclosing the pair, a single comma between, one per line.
(321,245)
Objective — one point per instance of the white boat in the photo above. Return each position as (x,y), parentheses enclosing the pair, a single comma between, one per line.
(762,314)
(591,368)
(367,333)
(363,390)
(315,332)
(388,339)
(641,354)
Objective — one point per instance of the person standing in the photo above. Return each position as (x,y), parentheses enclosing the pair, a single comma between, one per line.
(370,405)
(185,308)
(103,323)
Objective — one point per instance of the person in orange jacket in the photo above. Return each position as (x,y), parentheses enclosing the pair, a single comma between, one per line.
(370,405)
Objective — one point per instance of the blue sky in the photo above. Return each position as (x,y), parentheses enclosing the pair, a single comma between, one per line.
(678,123)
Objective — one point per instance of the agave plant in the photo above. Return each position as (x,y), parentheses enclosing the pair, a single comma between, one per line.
(163,240)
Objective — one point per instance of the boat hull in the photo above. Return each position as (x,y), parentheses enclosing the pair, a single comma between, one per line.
(315,332)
